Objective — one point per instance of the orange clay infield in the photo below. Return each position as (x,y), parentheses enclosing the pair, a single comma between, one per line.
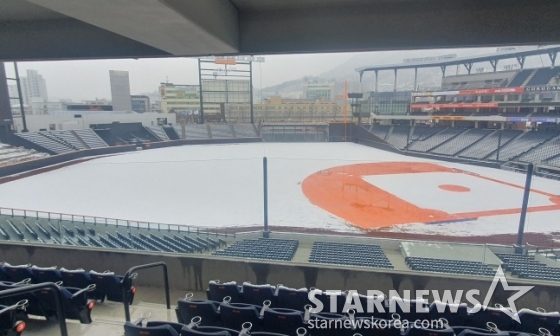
(343,192)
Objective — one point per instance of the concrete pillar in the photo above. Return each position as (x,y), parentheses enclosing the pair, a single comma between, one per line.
(476,124)
(6,119)
(452,123)
(395,82)
(502,125)
(376,79)
(415,78)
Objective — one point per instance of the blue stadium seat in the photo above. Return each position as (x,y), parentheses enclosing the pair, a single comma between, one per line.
(81,279)
(283,320)
(18,273)
(112,285)
(531,321)
(455,314)
(74,300)
(292,298)
(496,315)
(10,323)
(257,294)
(217,291)
(207,310)
(33,305)
(235,314)
(46,274)
(152,328)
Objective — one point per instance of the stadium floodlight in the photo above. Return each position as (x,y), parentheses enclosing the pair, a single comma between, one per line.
(356,105)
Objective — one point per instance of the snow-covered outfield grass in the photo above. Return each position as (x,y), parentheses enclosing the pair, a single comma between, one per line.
(221,185)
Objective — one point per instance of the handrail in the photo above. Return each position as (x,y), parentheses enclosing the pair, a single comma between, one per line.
(57,298)
(140,267)
(119,222)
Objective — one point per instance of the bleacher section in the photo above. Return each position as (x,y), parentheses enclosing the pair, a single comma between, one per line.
(349,254)
(90,138)
(455,145)
(399,136)
(158,132)
(449,266)
(58,142)
(221,131)
(528,268)
(48,144)
(520,78)
(486,146)
(380,131)
(262,248)
(435,140)
(542,153)
(522,144)
(103,235)
(10,155)
(245,131)
(543,76)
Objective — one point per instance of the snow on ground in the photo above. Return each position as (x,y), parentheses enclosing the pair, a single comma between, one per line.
(221,185)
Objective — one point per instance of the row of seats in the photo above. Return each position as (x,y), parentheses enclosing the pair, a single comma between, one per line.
(488,145)
(262,248)
(159,132)
(64,141)
(364,255)
(449,266)
(529,268)
(12,319)
(80,234)
(269,317)
(106,285)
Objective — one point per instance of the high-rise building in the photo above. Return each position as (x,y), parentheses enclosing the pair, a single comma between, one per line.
(120,90)
(13,93)
(140,104)
(179,98)
(319,91)
(34,88)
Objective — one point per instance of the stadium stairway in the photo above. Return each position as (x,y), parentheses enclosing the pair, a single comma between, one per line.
(171,133)
(493,154)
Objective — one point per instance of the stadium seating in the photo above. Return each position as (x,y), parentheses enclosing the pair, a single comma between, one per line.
(380,131)
(158,132)
(262,248)
(483,148)
(48,144)
(12,318)
(398,138)
(542,153)
(449,266)
(81,233)
(66,137)
(349,254)
(529,268)
(457,144)
(90,138)
(543,76)
(520,78)
(205,318)
(435,140)
(522,144)
(11,155)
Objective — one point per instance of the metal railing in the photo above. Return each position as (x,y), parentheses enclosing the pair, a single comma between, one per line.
(129,224)
(140,267)
(57,298)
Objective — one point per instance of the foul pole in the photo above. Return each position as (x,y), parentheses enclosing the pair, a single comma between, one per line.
(345,107)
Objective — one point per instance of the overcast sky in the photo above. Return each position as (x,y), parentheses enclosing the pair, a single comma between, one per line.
(80,80)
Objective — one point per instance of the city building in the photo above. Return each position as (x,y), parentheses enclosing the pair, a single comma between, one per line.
(319,90)
(277,109)
(34,88)
(13,93)
(120,90)
(179,98)
(140,104)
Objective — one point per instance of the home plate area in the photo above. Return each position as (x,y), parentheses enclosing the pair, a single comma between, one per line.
(377,195)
